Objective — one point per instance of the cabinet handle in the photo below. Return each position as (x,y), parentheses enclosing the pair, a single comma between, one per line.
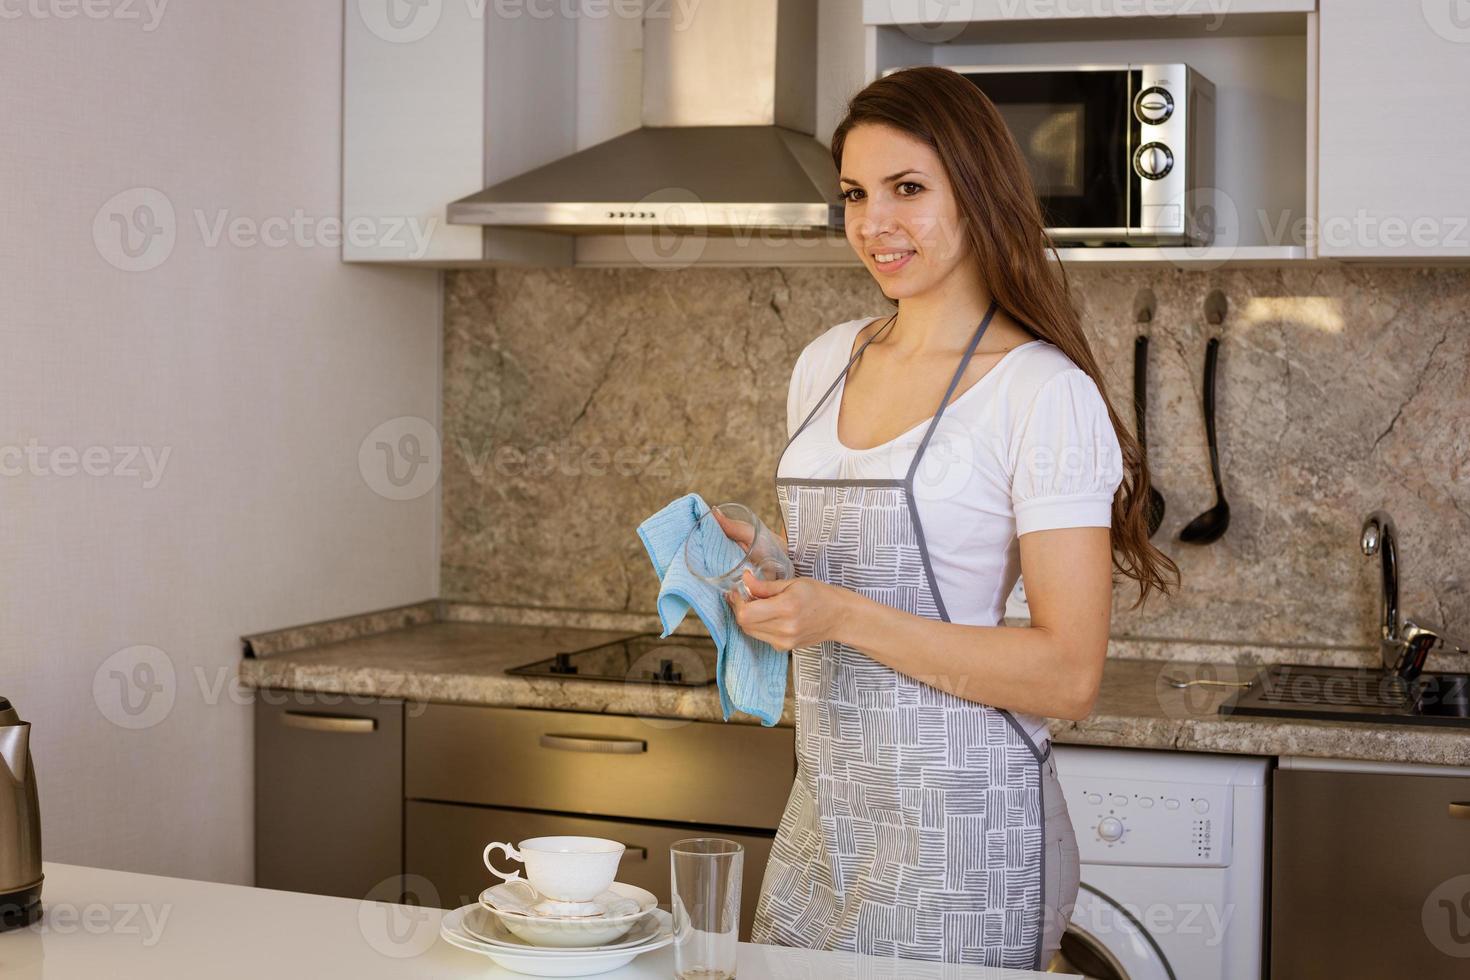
(342,724)
(630,848)
(1460,809)
(583,743)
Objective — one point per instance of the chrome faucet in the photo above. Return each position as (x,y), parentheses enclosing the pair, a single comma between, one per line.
(1404,646)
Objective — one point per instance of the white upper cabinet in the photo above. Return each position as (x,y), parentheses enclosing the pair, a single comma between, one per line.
(1394,129)
(439,99)
(403,149)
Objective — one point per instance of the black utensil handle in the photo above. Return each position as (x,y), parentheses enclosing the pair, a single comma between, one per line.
(1212,359)
(1140,390)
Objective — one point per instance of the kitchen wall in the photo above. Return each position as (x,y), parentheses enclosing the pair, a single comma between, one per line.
(578,402)
(190,372)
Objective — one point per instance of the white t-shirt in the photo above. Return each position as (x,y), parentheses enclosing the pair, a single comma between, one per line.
(1028,447)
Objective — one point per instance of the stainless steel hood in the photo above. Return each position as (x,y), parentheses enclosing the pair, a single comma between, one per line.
(725,145)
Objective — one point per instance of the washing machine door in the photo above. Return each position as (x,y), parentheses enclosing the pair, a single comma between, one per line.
(1105,942)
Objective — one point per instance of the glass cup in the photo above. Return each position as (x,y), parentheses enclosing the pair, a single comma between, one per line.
(704,879)
(747,543)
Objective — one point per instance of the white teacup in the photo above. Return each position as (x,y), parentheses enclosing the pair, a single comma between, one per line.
(564,869)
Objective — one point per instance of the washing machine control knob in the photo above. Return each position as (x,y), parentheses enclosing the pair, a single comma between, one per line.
(1110,828)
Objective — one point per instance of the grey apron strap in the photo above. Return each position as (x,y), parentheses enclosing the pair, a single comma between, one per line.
(944,402)
(835,381)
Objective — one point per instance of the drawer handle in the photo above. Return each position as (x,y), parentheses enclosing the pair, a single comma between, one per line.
(342,724)
(1460,809)
(630,848)
(583,743)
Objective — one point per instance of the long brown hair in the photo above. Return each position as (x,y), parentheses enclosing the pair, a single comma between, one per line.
(1007,234)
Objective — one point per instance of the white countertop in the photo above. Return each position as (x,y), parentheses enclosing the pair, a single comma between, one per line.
(116,924)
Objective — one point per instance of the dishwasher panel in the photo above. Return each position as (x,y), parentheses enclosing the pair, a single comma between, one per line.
(1370,875)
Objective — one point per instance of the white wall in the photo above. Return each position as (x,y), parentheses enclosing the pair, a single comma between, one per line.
(259,369)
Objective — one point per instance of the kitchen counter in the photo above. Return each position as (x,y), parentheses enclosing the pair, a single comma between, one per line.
(464,662)
(115,924)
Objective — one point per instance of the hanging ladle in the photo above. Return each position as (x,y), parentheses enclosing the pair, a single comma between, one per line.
(1210,525)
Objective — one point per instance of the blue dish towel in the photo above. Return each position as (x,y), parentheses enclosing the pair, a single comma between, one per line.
(751,674)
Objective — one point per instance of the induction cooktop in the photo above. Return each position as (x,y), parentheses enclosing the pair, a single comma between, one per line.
(644,658)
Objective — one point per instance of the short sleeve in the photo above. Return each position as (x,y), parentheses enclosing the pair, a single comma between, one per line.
(1068,464)
(796,395)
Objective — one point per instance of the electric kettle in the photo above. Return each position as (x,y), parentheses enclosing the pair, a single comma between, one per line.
(20,824)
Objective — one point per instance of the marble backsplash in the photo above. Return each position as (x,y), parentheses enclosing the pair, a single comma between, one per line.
(577,402)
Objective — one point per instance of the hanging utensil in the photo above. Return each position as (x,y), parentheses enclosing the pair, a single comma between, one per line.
(1155,511)
(1144,305)
(1210,525)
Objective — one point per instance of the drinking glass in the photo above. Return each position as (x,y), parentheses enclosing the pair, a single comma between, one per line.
(746,542)
(704,878)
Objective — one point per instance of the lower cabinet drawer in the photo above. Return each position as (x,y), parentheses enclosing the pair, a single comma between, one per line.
(732,775)
(445,841)
(328,795)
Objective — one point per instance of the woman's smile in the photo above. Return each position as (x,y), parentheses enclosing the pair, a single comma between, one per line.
(891,260)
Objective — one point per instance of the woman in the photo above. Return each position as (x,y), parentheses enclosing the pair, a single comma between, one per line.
(926,820)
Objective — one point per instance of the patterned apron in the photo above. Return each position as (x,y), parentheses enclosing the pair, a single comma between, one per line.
(915,825)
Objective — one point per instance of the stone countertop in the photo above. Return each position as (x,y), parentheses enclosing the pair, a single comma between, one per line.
(464,663)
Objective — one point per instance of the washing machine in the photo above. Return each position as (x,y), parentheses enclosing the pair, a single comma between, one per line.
(1173,848)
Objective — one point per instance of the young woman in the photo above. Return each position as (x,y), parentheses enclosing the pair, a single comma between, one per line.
(926,820)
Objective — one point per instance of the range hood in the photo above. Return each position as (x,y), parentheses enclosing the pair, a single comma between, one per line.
(725,147)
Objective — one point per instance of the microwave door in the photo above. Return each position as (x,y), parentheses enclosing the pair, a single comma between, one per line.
(1075,130)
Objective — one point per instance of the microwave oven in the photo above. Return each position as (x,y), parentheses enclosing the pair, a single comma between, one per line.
(1118,154)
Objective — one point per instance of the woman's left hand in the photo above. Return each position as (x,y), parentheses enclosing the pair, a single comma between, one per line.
(788,613)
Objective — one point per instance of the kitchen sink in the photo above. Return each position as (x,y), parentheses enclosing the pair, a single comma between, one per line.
(1354,694)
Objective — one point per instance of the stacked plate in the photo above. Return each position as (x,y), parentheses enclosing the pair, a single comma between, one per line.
(508,927)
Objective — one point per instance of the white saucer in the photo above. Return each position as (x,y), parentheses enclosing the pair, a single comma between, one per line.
(513,910)
(552,962)
(551,906)
(482,924)
(520,897)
